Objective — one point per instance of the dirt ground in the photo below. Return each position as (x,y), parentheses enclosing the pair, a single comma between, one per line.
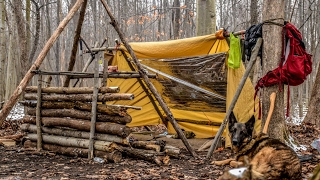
(19,163)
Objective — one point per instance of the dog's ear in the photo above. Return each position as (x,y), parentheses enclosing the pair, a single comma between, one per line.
(250,125)
(232,120)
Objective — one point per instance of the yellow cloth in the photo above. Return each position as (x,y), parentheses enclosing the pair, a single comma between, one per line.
(244,108)
(196,46)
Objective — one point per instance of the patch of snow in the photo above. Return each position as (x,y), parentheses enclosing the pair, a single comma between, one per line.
(295,118)
(16,113)
(296,147)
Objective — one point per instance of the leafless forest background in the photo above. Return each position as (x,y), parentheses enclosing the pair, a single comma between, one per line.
(26,25)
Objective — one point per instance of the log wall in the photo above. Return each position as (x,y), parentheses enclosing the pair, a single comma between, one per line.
(65,117)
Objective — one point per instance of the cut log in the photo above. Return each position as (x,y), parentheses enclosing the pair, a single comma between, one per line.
(74,142)
(82,125)
(114,156)
(102,108)
(73,133)
(7,142)
(73,113)
(147,155)
(74,90)
(15,137)
(149,145)
(81,97)
(172,151)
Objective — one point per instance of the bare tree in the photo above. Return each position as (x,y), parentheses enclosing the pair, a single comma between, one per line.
(206,17)
(272,46)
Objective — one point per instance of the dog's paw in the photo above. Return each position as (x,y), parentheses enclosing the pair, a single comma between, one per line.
(236,164)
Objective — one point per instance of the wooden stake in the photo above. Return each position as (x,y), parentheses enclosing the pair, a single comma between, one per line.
(38,114)
(253,58)
(272,101)
(149,84)
(94,109)
(75,41)
(18,91)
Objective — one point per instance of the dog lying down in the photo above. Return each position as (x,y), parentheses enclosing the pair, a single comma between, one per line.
(264,157)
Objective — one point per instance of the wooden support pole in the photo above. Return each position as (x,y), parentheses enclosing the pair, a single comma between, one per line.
(85,67)
(143,74)
(65,90)
(253,58)
(75,41)
(18,91)
(38,114)
(94,110)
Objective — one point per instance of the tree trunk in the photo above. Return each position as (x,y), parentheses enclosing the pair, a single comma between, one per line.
(83,125)
(272,47)
(73,113)
(2,52)
(74,142)
(114,156)
(18,91)
(22,38)
(313,113)
(64,90)
(80,97)
(206,17)
(176,19)
(73,133)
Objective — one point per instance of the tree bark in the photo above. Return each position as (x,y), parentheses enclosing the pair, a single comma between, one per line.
(18,91)
(22,37)
(73,113)
(102,108)
(206,17)
(73,133)
(81,97)
(272,47)
(313,113)
(114,156)
(74,142)
(83,125)
(64,90)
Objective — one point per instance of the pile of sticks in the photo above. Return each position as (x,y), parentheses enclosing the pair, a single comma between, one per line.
(65,115)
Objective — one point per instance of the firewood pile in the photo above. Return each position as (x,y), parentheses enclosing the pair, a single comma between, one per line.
(65,116)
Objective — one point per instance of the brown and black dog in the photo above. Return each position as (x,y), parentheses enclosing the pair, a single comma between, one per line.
(266,158)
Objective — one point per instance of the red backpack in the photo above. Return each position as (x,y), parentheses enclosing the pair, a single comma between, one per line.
(295,64)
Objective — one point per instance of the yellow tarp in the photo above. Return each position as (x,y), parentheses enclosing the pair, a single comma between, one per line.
(202,45)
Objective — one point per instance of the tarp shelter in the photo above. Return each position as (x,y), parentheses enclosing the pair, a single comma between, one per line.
(191,60)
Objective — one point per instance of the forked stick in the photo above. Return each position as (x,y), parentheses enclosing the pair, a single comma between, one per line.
(272,101)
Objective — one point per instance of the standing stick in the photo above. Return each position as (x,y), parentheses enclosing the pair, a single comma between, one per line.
(38,114)
(272,100)
(75,41)
(143,74)
(94,109)
(253,58)
(18,91)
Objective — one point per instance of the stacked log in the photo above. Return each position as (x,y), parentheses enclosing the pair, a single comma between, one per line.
(65,117)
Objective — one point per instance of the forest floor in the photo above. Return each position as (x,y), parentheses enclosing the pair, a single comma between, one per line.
(18,163)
